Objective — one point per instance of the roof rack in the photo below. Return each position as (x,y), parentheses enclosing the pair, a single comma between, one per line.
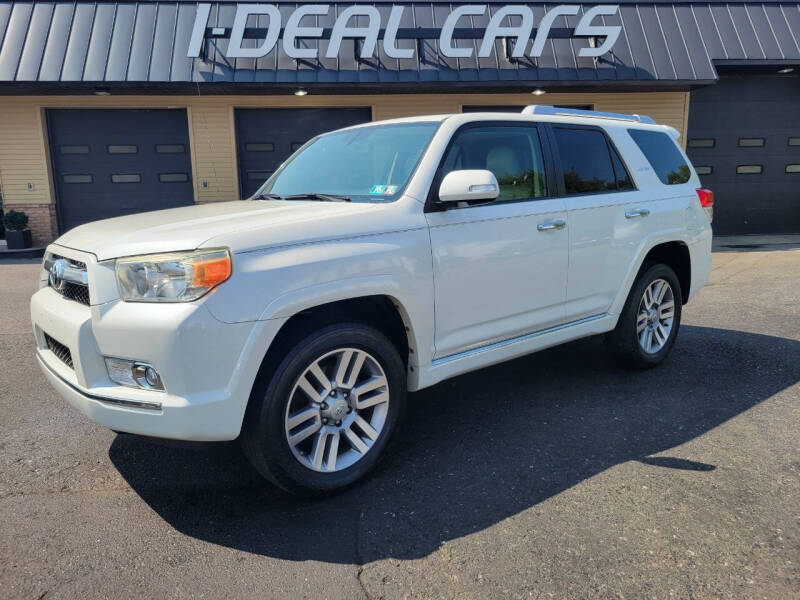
(541,109)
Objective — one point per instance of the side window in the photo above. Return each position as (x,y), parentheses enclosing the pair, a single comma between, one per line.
(663,155)
(624,181)
(513,154)
(586,161)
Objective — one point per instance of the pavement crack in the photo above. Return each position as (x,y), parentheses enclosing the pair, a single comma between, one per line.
(359,558)
(361,582)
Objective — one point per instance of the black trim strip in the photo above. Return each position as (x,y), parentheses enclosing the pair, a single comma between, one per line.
(102,399)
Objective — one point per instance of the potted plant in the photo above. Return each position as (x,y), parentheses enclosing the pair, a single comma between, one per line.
(18,236)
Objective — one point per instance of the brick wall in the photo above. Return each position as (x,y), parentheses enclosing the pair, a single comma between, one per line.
(41,221)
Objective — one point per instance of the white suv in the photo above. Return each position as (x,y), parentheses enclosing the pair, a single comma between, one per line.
(377,259)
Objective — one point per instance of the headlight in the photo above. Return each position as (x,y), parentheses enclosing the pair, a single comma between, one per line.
(173,277)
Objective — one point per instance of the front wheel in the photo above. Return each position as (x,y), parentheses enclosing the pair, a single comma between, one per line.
(328,411)
(649,322)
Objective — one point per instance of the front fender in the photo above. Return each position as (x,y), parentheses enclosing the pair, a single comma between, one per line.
(281,282)
(415,316)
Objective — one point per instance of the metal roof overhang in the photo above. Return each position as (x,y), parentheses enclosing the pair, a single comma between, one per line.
(142,47)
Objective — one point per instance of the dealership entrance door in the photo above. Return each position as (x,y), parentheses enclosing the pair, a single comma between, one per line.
(744,140)
(265,137)
(111,162)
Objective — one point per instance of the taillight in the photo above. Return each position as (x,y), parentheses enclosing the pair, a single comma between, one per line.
(707,202)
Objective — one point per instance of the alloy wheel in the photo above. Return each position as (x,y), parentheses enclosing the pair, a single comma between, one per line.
(337,410)
(655,317)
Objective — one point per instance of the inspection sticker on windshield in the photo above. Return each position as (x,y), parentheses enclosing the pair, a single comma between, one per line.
(383,190)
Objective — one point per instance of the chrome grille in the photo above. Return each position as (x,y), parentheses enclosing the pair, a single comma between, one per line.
(60,350)
(73,284)
(76,292)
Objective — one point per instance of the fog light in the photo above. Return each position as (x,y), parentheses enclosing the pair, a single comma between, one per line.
(151,377)
(133,374)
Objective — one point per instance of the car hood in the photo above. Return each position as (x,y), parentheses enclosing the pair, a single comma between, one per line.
(242,226)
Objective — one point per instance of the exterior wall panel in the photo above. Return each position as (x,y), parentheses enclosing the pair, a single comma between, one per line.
(23,165)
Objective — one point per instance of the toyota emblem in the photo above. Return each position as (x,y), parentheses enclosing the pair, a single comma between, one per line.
(56,277)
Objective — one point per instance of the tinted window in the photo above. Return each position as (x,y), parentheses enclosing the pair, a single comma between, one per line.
(704,143)
(663,155)
(513,154)
(585,160)
(170,148)
(624,181)
(751,142)
(749,169)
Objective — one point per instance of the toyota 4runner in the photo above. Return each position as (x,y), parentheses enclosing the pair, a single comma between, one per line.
(377,259)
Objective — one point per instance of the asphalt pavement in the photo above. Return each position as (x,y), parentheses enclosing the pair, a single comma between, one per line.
(558,475)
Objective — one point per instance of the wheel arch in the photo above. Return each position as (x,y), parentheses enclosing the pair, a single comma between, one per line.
(674,254)
(668,248)
(384,312)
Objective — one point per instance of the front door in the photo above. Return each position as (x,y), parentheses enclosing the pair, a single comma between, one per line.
(500,270)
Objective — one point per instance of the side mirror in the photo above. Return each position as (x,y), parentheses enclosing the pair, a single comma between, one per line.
(469,186)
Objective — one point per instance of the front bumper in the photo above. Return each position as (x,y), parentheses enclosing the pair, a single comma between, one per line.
(208,367)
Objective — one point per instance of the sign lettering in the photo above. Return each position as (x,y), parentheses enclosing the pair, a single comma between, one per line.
(298,27)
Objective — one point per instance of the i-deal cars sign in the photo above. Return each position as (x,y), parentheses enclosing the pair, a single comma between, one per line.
(299,26)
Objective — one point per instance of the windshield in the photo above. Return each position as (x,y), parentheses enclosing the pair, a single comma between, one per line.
(366,164)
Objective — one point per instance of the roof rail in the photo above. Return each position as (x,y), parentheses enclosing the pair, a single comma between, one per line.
(541,109)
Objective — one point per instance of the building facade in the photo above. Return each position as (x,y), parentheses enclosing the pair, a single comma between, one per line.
(112,108)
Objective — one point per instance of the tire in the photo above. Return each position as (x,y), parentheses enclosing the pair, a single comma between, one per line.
(282,410)
(625,341)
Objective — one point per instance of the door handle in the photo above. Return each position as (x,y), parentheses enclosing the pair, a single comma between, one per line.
(639,212)
(548,225)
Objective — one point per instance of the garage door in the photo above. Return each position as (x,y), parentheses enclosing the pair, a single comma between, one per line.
(265,137)
(108,163)
(744,140)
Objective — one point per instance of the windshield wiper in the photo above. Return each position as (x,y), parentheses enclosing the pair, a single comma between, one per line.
(317,196)
(267,197)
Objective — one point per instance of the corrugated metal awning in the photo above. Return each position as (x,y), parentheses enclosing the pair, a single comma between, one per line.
(130,43)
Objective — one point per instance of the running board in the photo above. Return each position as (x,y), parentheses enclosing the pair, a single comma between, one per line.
(508,349)
(514,340)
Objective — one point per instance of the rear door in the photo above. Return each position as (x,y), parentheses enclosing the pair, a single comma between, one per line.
(604,225)
(500,269)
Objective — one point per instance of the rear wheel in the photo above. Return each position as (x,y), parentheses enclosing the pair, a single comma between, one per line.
(328,411)
(649,322)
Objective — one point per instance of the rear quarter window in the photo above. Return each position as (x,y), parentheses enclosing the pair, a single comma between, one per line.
(663,155)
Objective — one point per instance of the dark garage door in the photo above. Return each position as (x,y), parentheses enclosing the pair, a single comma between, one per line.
(265,137)
(109,162)
(744,140)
